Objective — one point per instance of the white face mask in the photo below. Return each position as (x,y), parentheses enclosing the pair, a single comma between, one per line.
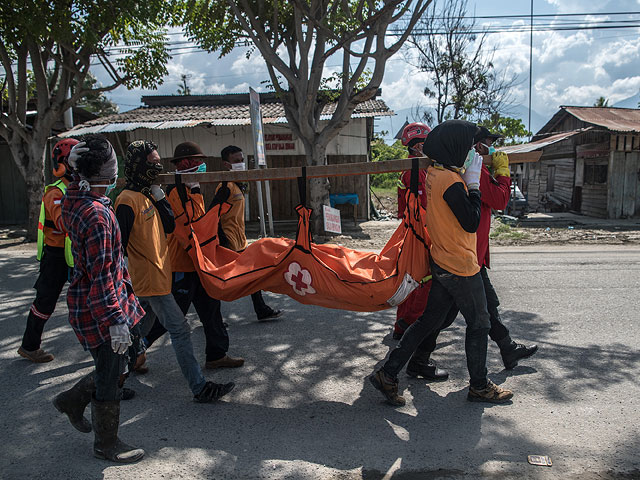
(109,187)
(238,166)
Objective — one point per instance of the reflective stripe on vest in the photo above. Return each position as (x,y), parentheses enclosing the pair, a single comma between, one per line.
(42,222)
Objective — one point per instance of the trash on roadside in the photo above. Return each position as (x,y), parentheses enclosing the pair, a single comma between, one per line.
(508,220)
(570,227)
(547,229)
(541,460)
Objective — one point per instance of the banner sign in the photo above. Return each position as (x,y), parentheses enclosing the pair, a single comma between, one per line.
(331,219)
(256,123)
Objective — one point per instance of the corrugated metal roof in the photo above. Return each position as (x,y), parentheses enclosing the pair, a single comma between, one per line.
(540,144)
(193,115)
(616,119)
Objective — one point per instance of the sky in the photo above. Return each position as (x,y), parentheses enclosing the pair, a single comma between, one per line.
(569,67)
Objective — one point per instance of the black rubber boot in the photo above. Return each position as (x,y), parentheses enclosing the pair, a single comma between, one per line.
(105,418)
(73,402)
(515,352)
(421,365)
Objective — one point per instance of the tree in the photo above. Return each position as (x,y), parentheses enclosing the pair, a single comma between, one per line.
(601,102)
(94,100)
(47,50)
(380,151)
(184,88)
(464,83)
(512,129)
(296,38)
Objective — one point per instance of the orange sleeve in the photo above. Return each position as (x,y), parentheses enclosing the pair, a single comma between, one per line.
(53,209)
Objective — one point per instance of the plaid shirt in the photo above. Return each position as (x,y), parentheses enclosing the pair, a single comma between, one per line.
(100,293)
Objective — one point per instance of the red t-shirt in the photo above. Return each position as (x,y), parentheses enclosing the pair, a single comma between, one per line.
(495,195)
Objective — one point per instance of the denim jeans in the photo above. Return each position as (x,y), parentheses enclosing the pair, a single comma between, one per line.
(498,332)
(172,318)
(448,290)
(109,367)
(187,289)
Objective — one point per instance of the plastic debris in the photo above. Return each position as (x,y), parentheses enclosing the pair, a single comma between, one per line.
(541,460)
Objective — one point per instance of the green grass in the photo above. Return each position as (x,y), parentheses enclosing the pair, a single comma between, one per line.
(505,232)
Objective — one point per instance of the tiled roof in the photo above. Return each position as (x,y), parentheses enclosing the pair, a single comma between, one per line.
(163,117)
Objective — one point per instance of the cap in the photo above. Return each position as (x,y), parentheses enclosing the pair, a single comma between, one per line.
(186,150)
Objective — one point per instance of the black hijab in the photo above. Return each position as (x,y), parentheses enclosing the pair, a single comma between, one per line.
(449,142)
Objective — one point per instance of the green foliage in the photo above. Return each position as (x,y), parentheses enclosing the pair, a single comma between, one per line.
(601,102)
(380,151)
(96,102)
(512,129)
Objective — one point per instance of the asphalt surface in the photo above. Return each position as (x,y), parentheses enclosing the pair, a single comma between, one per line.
(302,408)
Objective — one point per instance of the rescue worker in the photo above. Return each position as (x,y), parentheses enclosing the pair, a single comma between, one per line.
(186,285)
(231,232)
(102,305)
(495,190)
(452,217)
(145,218)
(54,254)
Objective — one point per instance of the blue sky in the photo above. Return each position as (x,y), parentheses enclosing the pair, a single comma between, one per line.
(569,67)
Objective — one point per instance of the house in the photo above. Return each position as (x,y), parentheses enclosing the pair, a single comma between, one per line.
(590,163)
(215,121)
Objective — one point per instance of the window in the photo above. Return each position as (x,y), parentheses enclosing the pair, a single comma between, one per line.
(595,173)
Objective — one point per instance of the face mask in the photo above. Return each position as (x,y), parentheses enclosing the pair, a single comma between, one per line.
(109,188)
(238,166)
(491,149)
(470,156)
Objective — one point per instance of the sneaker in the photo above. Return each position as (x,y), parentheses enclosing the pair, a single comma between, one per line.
(224,362)
(127,393)
(270,314)
(492,393)
(510,357)
(213,391)
(36,356)
(389,387)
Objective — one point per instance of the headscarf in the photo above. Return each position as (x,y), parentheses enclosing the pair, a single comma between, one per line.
(139,172)
(450,142)
(108,170)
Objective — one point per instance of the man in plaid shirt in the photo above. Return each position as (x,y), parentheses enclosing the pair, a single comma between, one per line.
(102,305)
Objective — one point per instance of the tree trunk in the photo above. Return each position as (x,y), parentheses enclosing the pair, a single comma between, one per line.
(318,187)
(31,158)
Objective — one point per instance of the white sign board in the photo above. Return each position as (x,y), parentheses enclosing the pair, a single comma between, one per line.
(331,219)
(256,123)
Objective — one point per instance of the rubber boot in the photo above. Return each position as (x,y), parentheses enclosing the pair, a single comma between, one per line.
(73,402)
(105,418)
(421,365)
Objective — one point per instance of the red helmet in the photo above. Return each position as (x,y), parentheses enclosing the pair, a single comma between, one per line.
(60,156)
(414,131)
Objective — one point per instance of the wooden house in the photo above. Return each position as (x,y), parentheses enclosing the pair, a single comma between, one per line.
(590,163)
(215,121)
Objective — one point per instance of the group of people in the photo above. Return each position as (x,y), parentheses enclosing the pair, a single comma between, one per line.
(119,309)
(458,193)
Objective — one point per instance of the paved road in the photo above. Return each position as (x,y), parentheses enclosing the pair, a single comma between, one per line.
(301,408)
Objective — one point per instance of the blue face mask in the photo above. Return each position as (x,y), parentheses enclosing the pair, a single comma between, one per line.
(110,187)
(202,168)
(492,150)
(470,156)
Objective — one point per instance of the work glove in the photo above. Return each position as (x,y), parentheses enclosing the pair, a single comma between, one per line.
(120,338)
(471,176)
(156,192)
(76,152)
(500,164)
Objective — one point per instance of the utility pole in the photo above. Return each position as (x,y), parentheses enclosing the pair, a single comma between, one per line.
(530,65)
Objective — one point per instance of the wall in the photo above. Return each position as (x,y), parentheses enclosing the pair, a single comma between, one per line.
(624,185)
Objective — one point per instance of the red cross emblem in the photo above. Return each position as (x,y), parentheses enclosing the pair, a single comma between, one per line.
(299,278)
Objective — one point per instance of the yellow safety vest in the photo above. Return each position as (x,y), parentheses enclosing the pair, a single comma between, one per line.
(42,221)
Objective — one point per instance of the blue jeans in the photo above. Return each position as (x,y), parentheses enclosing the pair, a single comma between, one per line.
(172,318)
(449,290)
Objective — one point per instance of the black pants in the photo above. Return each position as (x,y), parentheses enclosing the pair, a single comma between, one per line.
(449,290)
(187,289)
(498,332)
(259,306)
(109,366)
(54,273)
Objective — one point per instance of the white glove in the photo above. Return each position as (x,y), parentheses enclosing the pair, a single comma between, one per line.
(76,152)
(157,193)
(120,338)
(193,185)
(471,176)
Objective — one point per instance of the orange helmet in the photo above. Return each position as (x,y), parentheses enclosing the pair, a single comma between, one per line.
(413,132)
(60,156)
